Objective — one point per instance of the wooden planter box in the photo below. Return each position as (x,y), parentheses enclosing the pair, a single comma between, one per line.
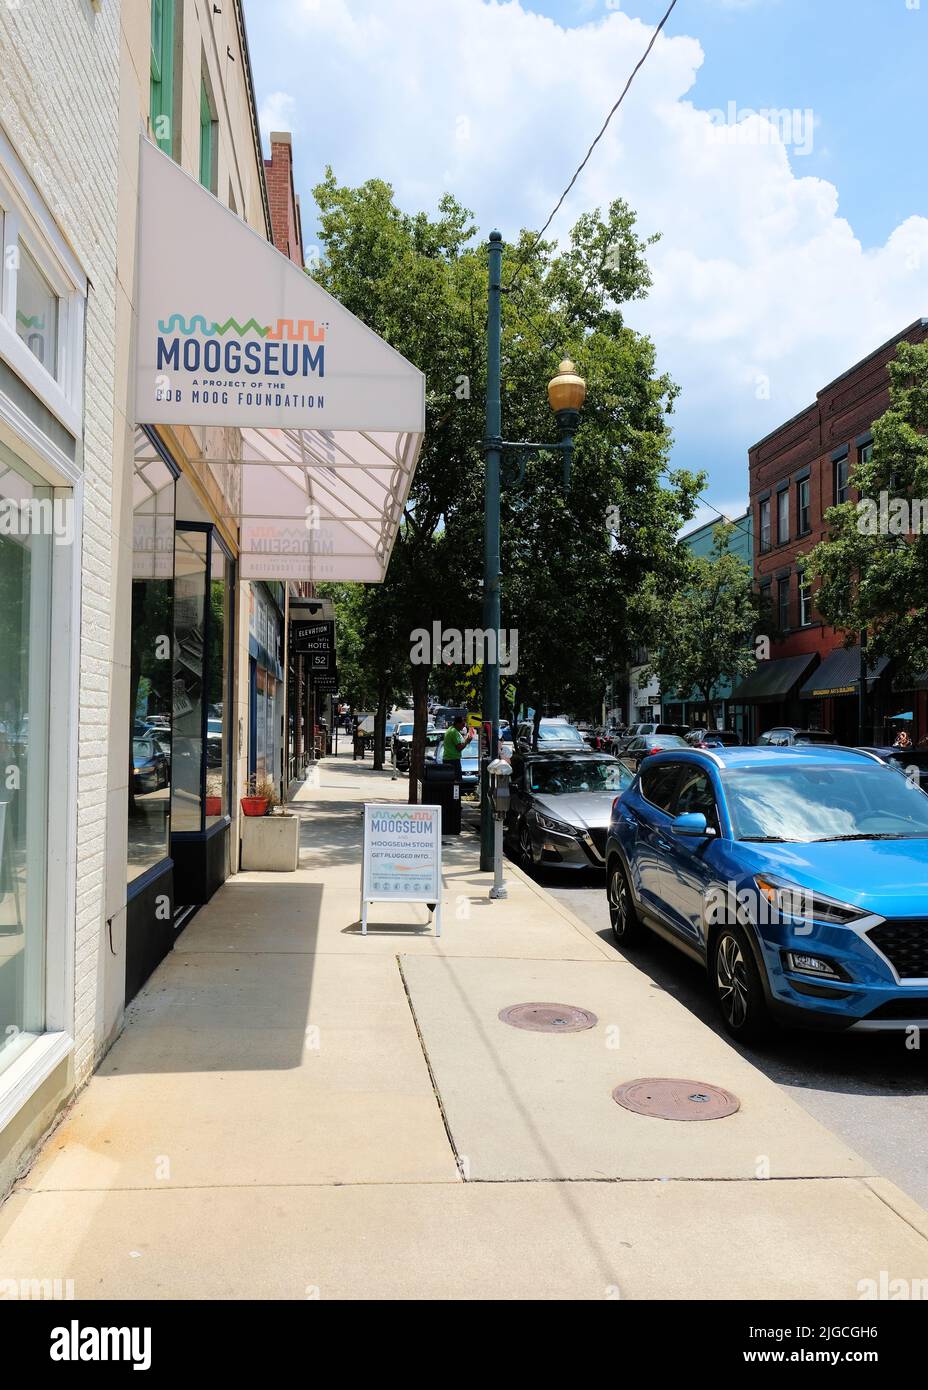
(270,843)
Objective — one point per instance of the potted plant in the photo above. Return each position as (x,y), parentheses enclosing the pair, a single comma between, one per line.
(261,798)
(270,842)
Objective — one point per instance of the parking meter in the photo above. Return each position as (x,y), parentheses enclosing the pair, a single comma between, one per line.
(498,773)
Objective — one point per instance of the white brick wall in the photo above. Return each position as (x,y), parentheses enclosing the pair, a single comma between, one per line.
(59,105)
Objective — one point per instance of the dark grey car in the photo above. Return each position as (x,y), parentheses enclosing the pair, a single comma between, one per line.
(560,807)
(640,748)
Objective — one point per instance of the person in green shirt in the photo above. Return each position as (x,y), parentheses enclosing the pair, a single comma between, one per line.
(454,741)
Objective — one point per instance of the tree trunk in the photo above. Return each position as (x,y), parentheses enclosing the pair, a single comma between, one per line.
(380,728)
(420,715)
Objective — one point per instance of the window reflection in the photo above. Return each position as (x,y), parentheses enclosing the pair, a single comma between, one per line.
(189,627)
(150,742)
(217,714)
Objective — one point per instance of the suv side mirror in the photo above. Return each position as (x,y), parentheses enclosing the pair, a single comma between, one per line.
(693,825)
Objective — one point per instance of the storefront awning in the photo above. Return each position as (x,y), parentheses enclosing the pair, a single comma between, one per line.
(839,674)
(772,680)
(232,333)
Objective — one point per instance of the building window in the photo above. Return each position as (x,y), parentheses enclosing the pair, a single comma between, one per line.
(25,645)
(783,604)
(765,526)
(188,706)
(805,603)
(42,291)
(217,681)
(865,452)
(37,311)
(151,691)
(804,506)
(783,516)
(162,73)
(842,480)
(208,132)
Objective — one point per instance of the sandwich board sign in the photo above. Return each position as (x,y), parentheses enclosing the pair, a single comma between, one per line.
(402,857)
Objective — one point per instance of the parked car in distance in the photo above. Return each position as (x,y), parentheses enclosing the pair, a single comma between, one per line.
(552,734)
(643,747)
(714,738)
(151,769)
(790,737)
(912,762)
(470,760)
(797,876)
(560,804)
(402,742)
(443,716)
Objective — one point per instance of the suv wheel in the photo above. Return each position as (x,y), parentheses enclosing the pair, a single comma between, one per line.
(736,984)
(626,926)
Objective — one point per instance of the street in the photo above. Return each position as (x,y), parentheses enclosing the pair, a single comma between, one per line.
(868,1088)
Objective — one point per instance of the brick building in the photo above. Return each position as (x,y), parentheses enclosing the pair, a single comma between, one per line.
(283,198)
(796,473)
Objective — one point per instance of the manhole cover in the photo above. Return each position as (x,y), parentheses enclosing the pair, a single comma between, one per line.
(549,1018)
(667,1098)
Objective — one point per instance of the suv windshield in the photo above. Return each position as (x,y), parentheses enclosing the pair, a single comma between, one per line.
(804,804)
(575,775)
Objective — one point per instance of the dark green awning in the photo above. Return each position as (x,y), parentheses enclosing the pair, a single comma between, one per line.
(772,680)
(839,674)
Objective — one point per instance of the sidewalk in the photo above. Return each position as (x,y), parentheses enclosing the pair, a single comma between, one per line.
(296,1111)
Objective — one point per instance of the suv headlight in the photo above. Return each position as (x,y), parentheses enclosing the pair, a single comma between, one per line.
(794,904)
(558,826)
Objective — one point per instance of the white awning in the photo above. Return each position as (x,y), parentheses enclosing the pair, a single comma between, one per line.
(232,333)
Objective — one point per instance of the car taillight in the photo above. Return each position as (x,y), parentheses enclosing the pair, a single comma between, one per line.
(615,803)
(654,750)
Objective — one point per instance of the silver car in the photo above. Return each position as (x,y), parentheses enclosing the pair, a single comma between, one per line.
(560,807)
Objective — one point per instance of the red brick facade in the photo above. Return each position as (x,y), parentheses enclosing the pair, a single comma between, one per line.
(806,448)
(285,205)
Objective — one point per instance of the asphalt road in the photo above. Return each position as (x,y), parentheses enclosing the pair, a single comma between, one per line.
(870,1088)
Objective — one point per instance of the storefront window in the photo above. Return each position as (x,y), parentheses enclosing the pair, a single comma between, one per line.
(25,604)
(190,555)
(151,695)
(37,312)
(217,679)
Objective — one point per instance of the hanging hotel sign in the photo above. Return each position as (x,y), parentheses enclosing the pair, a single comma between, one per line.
(230,332)
(312,635)
(402,857)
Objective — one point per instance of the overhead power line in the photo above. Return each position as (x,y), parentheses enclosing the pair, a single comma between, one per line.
(637,68)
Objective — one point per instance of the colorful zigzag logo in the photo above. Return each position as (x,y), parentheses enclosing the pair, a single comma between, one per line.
(294,332)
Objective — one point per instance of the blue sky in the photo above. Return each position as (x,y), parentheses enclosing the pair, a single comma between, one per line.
(790,247)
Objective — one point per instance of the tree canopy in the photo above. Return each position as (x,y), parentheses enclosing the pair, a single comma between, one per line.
(572,561)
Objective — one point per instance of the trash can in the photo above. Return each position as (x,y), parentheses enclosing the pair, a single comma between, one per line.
(358,746)
(441,787)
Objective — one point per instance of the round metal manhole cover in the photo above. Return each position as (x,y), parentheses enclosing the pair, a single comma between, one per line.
(667,1098)
(549,1018)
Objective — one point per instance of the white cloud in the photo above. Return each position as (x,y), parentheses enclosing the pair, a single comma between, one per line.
(278,111)
(762,291)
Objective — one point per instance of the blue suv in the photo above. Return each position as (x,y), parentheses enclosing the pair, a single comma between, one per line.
(797,876)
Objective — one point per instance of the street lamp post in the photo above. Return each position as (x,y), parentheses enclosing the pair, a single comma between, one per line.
(566,394)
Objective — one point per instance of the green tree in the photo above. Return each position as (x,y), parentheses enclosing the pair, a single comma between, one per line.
(873,568)
(702,634)
(568,581)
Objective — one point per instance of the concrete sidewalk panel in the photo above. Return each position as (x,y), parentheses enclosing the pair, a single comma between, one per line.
(675,1240)
(523,1105)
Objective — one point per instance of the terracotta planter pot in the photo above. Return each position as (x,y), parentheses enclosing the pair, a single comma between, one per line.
(214,805)
(254,805)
